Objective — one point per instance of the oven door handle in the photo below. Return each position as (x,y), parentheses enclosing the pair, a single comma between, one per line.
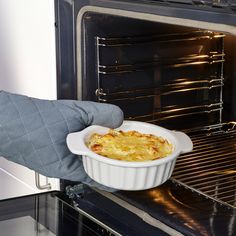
(38,185)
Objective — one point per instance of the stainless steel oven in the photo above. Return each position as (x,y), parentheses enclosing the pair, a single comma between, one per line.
(171,63)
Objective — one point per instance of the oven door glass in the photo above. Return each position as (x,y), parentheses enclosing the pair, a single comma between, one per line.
(45,215)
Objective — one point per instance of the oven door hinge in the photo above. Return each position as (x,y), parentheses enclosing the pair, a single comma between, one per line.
(75,192)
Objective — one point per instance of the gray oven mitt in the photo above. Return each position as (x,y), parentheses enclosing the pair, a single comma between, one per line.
(33,132)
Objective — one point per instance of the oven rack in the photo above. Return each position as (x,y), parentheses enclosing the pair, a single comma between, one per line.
(159,116)
(161,112)
(211,167)
(162,90)
(153,86)
(189,60)
(164,38)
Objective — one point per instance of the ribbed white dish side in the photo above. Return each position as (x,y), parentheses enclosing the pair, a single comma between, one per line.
(85,164)
(172,168)
(127,178)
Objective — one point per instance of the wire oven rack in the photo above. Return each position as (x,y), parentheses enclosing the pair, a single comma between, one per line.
(150,76)
(211,167)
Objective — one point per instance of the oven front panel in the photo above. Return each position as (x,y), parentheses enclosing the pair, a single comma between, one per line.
(170,64)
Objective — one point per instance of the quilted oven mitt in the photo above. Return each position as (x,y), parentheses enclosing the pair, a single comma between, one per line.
(33,132)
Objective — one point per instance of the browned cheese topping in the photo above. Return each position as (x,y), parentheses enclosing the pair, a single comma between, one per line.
(130,146)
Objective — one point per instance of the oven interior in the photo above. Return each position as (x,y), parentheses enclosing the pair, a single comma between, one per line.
(175,76)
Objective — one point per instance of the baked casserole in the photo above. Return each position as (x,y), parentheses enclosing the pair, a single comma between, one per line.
(129,146)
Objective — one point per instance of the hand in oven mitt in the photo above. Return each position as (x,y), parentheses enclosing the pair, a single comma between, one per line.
(33,132)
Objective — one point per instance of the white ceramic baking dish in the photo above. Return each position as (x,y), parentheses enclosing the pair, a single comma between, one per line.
(126,175)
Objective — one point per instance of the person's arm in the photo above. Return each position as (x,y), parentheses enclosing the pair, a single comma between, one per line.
(33,132)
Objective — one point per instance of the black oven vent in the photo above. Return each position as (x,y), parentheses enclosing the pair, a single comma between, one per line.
(163,79)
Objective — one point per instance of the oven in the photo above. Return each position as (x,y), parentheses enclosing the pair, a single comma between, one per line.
(171,63)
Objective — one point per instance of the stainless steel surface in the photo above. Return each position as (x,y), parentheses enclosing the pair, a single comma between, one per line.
(38,184)
(211,167)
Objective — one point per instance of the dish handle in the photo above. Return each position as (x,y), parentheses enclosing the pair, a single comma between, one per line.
(75,143)
(184,141)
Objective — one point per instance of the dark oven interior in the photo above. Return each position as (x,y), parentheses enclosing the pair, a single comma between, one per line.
(175,76)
